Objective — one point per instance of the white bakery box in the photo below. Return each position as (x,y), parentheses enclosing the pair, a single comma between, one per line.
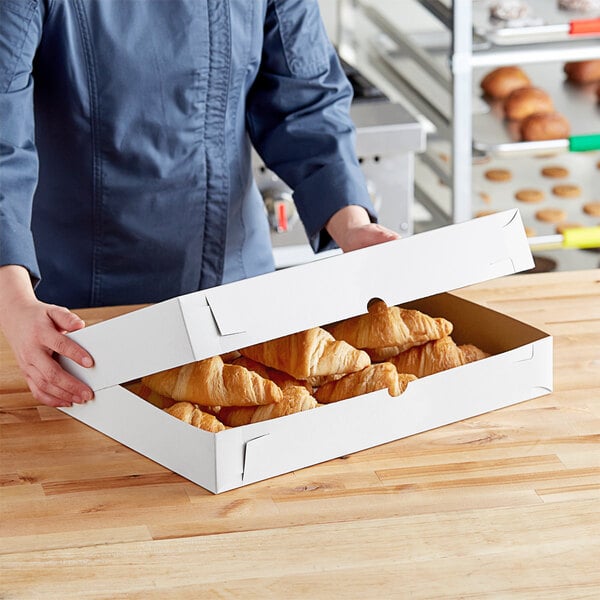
(417,270)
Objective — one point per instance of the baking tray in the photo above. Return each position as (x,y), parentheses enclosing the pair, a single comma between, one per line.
(526,174)
(492,134)
(495,135)
(550,24)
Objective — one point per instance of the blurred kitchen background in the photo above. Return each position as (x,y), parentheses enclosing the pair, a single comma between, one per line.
(426,135)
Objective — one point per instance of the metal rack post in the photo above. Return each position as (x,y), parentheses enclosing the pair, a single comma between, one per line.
(462,138)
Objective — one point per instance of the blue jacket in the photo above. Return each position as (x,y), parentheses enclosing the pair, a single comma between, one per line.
(135,184)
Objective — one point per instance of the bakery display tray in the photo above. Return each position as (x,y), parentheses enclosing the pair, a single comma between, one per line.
(552,24)
(494,134)
(526,173)
(492,196)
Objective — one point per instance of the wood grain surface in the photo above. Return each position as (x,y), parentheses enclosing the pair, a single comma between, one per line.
(503,505)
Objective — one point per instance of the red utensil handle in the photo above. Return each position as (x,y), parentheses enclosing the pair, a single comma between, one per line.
(584,26)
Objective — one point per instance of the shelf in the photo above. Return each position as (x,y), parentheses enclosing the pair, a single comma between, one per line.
(573,50)
(441,76)
(578,103)
(547,23)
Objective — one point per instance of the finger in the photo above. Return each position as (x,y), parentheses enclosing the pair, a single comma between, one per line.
(64,319)
(65,346)
(50,377)
(57,392)
(45,397)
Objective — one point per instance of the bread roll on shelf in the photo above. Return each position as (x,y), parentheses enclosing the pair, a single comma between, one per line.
(544,126)
(500,82)
(526,101)
(583,71)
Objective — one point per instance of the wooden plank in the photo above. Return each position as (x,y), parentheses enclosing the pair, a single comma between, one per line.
(529,551)
(73,539)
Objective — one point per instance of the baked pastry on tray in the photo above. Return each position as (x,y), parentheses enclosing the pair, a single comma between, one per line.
(500,82)
(525,101)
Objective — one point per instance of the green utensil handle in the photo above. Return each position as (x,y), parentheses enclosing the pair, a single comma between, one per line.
(582,143)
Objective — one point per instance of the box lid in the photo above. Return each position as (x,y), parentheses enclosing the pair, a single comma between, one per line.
(238,314)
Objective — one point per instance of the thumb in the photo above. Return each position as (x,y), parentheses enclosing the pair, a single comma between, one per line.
(64,319)
(387,235)
(377,234)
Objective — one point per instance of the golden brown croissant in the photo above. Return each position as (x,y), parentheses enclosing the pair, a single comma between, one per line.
(230,357)
(382,354)
(436,356)
(280,378)
(372,378)
(210,382)
(309,353)
(318,380)
(296,398)
(385,326)
(472,353)
(143,391)
(187,412)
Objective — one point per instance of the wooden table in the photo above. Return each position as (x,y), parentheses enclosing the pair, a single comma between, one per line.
(504,505)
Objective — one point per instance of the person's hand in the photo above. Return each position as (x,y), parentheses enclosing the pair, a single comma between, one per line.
(351,228)
(36,331)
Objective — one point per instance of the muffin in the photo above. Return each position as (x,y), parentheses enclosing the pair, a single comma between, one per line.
(544,126)
(500,82)
(525,101)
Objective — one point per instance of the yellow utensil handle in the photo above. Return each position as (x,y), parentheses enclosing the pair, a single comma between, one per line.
(581,237)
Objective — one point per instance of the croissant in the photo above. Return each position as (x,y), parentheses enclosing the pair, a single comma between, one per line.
(382,354)
(210,382)
(372,378)
(319,380)
(383,326)
(143,391)
(230,357)
(187,412)
(296,398)
(472,353)
(309,353)
(280,378)
(436,356)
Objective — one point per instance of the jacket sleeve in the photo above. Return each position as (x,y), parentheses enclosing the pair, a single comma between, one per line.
(298,117)
(20,33)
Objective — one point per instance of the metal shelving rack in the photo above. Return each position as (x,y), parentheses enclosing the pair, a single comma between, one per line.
(466,51)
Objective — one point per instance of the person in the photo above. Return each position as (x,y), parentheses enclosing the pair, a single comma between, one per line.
(125,171)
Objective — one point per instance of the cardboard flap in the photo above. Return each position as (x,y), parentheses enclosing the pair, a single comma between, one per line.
(513,235)
(205,325)
(132,345)
(321,292)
